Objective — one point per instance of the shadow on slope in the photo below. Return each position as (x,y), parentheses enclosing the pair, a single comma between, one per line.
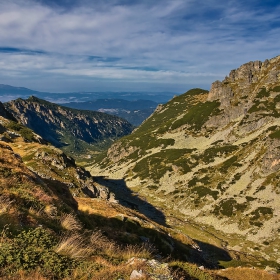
(128,198)
(129,230)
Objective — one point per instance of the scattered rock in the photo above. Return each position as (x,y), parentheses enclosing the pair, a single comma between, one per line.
(136,275)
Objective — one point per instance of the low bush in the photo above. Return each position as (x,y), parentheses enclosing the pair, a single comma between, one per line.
(33,249)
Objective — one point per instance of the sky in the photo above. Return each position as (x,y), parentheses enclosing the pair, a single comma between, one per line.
(132,45)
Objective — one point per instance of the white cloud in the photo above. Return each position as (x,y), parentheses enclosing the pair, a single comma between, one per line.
(185,41)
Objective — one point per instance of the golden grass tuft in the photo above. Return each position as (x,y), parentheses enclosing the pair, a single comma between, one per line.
(139,251)
(5,204)
(51,210)
(101,269)
(241,273)
(69,222)
(74,246)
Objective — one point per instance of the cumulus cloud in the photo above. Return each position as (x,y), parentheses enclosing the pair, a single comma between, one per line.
(178,42)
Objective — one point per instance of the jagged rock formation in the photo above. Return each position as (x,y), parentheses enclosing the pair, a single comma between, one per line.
(213,158)
(70,129)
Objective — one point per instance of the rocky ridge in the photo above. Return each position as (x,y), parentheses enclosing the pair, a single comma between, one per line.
(74,131)
(213,158)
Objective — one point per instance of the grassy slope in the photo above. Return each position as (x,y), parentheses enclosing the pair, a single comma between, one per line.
(218,179)
(47,232)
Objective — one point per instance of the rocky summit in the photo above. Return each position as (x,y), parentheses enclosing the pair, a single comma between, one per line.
(211,160)
(75,131)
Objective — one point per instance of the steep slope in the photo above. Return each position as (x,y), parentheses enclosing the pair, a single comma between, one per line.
(213,159)
(72,130)
(51,229)
(134,112)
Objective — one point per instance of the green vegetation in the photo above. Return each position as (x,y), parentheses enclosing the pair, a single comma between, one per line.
(263,104)
(275,134)
(191,271)
(156,165)
(34,249)
(25,132)
(210,153)
(262,93)
(202,191)
(197,115)
(276,89)
(261,212)
(162,120)
(229,207)
(229,163)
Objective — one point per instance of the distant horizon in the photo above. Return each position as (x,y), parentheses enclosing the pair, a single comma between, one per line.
(9,92)
(84,92)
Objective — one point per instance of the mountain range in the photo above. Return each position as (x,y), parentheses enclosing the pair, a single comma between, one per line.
(212,159)
(75,131)
(193,189)
(8,93)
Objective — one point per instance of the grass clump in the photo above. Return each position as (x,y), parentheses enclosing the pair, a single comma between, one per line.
(229,207)
(190,271)
(229,163)
(70,222)
(202,191)
(262,93)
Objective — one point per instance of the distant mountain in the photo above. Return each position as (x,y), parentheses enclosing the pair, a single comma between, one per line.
(6,89)
(212,159)
(8,93)
(75,131)
(133,111)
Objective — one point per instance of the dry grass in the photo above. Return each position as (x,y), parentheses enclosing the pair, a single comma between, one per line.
(96,206)
(5,204)
(139,251)
(101,269)
(51,211)
(100,243)
(74,246)
(69,222)
(23,275)
(241,273)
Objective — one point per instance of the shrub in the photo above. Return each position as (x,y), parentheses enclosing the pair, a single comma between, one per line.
(33,249)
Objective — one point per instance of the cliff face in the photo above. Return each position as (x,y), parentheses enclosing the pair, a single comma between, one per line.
(73,130)
(213,158)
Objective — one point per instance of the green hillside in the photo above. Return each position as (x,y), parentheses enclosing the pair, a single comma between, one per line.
(212,159)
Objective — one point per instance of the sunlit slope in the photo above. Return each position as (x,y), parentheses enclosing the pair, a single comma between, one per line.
(213,157)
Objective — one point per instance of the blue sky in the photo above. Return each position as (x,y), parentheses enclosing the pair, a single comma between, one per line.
(126,45)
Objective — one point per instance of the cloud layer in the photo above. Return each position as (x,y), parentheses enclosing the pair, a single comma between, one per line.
(119,45)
